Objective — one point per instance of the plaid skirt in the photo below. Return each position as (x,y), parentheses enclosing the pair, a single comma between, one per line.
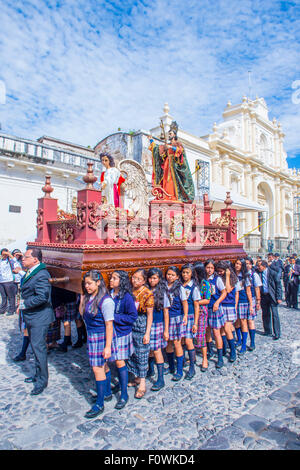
(230,313)
(202,325)
(177,329)
(125,347)
(157,336)
(138,361)
(53,332)
(216,319)
(95,345)
(244,311)
(189,326)
(72,312)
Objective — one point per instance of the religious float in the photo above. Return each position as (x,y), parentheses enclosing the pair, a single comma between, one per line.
(159,226)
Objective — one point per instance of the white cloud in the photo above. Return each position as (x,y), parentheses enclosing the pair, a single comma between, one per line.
(81,70)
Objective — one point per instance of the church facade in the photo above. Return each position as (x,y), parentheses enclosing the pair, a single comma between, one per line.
(244,154)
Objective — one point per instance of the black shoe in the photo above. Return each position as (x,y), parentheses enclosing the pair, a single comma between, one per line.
(189,375)
(276,337)
(203,369)
(95,411)
(115,389)
(62,348)
(9,314)
(266,334)
(19,358)
(157,386)
(37,390)
(108,398)
(121,403)
(78,344)
(176,377)
(30,380)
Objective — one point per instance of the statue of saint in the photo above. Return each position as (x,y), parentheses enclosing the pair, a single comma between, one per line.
(171,169)
(110,181)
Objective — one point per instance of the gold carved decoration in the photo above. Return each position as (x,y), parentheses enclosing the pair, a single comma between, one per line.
(65,234)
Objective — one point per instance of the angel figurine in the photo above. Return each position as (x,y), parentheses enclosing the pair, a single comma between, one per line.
(111,180)
(137,192)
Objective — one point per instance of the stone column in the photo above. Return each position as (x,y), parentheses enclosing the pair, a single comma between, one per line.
(226,173)
(277,203)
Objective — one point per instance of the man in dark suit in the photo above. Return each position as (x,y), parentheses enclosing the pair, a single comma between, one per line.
(37,313)
(274,264)
(271,296)
(293,284)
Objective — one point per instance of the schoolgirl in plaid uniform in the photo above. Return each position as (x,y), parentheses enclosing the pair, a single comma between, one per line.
(97,308)
(255,281)
(229,305)
(215,317)
(175,303)
(245,305)
(138,362)
(205,295)
(124,316)
(189,283)
(159,328)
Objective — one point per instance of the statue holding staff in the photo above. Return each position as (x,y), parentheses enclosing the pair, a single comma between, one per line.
(171,169)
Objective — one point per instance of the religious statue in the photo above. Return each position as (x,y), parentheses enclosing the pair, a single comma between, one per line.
(170,168)
(110,181)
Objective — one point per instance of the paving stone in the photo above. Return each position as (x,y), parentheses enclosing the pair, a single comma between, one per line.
(64,423)
(31,436)
(267,409)
(281,395)
(6,445)
(216,443)
(293,445)
(250,423)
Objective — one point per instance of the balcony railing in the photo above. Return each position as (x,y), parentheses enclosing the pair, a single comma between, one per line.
(45,152)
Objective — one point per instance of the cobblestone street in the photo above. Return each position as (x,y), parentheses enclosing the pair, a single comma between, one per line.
(251,404)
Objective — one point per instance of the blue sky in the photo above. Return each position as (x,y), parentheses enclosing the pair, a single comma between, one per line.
(78,70)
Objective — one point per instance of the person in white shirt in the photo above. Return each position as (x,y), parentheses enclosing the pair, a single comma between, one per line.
(7,285)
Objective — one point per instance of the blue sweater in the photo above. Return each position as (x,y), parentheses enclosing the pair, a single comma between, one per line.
(125,314)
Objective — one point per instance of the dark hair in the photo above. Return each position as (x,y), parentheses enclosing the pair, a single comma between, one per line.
(200,272)
(264,263)
(36,253)
(270,254)
(4,249)
(206,263)
(125,284)
(244,271)
(110,158)
(248,258)
(160,289)
(16,251)
(102,290)
(224,265)
(143,271)
(175,289)
(191,267)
